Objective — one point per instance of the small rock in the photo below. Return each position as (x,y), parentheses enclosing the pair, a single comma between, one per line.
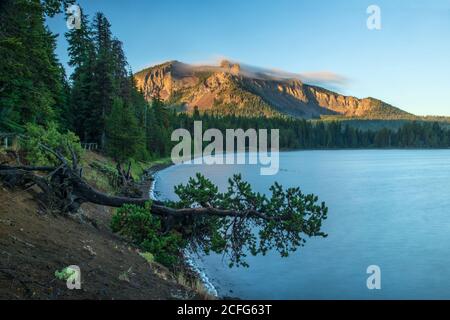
(90,250)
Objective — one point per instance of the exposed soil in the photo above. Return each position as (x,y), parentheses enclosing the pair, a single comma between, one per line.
(34,244)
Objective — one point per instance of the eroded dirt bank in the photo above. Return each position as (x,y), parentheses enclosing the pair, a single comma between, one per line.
(34,244)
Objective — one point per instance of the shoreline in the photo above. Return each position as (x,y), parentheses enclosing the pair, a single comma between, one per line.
(151,176)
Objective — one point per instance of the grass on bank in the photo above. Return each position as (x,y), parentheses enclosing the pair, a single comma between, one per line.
(100,171)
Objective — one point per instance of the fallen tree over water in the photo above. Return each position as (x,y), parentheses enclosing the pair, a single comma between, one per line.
(235,223)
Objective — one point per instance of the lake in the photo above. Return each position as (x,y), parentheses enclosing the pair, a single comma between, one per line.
(389,208)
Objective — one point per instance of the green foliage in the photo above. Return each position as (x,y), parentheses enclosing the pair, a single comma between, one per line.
(149,257)
(138,225)
(159,127)
(105,106)
(50,136)
(109,178)
(7,124)
(124,137)
(166,248)
(299,133)
(254,224)
(52,7)
(305,134)
(31,78)
(64,274)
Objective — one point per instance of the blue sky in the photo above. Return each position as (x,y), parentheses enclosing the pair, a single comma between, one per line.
(406,63)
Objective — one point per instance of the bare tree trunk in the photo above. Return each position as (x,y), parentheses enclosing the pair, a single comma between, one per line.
(64,189)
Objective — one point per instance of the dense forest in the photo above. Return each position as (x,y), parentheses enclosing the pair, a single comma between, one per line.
(96,102)
(303,134)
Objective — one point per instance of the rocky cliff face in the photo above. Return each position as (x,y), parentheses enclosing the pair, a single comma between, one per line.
(229,89)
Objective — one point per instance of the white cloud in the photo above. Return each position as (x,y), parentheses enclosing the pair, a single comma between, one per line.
(319,78)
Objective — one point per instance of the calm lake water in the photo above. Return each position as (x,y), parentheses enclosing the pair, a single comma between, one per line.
(389,208)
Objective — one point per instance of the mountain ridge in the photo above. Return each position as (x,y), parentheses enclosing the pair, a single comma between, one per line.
(231,89)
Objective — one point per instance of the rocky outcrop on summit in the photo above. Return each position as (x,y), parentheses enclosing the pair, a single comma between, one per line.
(230,89)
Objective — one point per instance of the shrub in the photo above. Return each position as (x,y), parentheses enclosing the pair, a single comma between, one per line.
(133,222)
(51,137)
(143,229)
(147,256)
(165,248)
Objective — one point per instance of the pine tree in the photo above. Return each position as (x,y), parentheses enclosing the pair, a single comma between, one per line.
(30,74)
(122,85)
(82,59)
(102,91)
(125,139)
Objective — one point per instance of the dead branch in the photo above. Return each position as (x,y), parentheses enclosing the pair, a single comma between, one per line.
(64,188)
